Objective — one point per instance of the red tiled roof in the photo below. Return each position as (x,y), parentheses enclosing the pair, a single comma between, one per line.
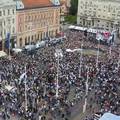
(36,3)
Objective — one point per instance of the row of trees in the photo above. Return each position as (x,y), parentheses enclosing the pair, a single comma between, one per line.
(72,17)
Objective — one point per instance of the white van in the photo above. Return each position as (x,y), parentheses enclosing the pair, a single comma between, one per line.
(40,44)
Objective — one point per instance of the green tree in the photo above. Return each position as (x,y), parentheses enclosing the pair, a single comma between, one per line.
(74,7)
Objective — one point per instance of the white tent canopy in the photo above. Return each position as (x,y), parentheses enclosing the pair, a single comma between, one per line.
(80,28)
(2,54)
(91,30)
(71,27)
(74,50)
(17,50)
(109,116)
(9,88)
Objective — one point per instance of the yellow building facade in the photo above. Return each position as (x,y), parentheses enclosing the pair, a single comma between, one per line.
(37,22)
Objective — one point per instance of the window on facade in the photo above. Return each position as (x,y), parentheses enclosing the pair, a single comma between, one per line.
(56,31)
(20,40)
(4,23)
(38,36)
(13,30)
(85,7)
(0,13)
(13,21)
(0,23)
(13,11)
(26,18)
(118,15)
(4,12)
(26,41)
(4,32)
(20,29)
(41,36)
(92,22)
(29,18)
(8,12)
(29,39)
(113,14)
(32,37)
(9,21)
(114,10)
(83,21)
(111,25)
(1,33)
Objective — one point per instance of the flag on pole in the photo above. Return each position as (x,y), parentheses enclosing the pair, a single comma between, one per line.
(23,76)
(7,45)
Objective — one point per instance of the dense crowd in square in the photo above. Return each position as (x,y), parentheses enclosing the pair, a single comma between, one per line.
(41,71)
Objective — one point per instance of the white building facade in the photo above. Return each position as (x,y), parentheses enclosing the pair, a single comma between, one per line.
(7,21)
(103,14)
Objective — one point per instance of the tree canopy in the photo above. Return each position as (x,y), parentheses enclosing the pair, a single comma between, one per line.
(74,7)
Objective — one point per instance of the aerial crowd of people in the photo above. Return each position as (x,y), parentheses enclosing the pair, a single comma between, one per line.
(33,96)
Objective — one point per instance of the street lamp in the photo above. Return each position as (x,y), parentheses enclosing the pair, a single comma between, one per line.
(81,55)
(25,90)
(98,52)
(58,55)
(86,92)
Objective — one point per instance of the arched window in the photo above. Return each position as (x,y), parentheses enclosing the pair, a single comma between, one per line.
(38,36)
(32,37)
(29,39)
(26,41)
(56,31)
(20,40)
